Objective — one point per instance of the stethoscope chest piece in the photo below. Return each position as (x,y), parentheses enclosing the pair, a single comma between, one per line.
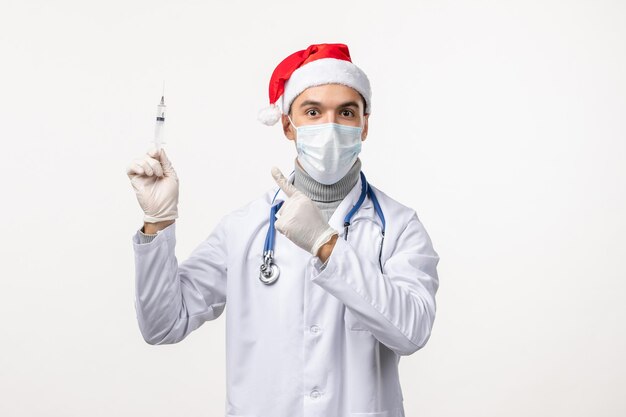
(269,270)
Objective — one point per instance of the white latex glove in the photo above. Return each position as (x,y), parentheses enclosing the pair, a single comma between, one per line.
(156,186)
(299,218)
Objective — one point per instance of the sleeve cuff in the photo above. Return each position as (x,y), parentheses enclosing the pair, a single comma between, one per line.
(145,237)
(318,264)
(322,270)
(148,242)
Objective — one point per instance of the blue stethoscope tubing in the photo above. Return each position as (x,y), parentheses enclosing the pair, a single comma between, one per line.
(270,271)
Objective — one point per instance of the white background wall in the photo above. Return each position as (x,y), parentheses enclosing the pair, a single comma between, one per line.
(501,122)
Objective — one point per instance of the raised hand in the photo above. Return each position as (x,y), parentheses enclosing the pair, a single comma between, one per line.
(299,218)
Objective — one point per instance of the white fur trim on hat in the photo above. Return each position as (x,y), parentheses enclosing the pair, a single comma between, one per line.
(326,71)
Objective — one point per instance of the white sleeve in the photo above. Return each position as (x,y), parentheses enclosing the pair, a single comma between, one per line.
(172,300)
(398,306)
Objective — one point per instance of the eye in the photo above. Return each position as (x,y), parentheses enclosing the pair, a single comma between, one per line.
(311,110)
(347,113)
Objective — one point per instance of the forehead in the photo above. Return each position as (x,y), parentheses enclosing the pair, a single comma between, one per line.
(329,94)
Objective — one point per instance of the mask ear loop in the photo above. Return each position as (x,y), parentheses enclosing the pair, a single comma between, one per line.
(294,126)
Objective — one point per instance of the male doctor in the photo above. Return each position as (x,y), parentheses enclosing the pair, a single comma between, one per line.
(324,336)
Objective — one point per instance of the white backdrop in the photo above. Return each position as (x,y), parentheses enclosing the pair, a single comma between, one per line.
(501,122)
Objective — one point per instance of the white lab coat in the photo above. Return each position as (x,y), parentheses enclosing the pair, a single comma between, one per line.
(318,342)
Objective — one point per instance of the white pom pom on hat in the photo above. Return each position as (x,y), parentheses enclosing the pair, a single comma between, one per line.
(269,115)
(319,64)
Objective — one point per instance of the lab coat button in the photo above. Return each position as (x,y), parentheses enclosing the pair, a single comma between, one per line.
(315,394)
(315,328)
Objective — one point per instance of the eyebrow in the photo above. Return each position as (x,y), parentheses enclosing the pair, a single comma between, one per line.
(317,103)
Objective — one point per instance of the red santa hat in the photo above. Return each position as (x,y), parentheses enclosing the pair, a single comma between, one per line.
(324,63)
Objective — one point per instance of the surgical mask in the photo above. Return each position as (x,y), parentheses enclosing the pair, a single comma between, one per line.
(327,151)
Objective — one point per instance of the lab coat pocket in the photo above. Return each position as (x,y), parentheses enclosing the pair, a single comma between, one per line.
(366,238)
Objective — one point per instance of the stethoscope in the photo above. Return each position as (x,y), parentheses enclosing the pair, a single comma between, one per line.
(269,269)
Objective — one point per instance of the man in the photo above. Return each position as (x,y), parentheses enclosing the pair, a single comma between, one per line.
(324,336)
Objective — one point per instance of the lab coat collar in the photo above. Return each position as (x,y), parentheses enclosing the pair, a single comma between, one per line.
(336,220)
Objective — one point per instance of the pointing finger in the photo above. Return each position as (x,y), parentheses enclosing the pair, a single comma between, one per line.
(282,182)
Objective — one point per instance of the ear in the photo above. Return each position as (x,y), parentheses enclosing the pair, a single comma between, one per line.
(288,130)
(365,125)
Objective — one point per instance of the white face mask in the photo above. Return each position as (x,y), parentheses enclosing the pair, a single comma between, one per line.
(327,151)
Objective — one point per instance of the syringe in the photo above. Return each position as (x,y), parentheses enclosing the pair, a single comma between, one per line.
(160,120)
